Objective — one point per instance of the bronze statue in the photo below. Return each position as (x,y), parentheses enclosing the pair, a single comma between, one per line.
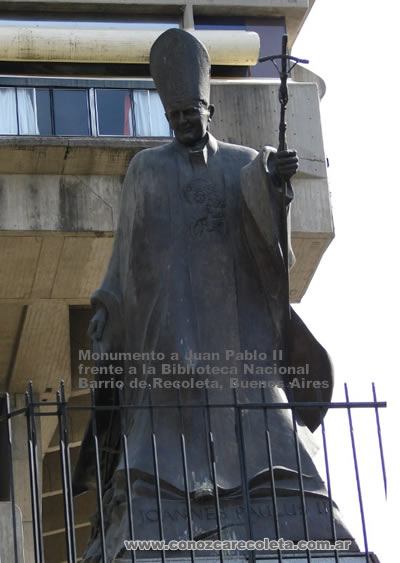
(196,273)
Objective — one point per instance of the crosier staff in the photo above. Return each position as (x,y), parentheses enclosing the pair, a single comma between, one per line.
(283,97)
(286,186)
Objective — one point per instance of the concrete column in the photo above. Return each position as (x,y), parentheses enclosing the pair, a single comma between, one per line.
(6,533)
(43,356)
(22,475)
(188,17)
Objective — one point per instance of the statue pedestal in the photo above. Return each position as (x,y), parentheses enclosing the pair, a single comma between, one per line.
(315,558)
(235,520)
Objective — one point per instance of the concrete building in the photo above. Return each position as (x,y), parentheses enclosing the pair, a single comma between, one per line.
(76,103)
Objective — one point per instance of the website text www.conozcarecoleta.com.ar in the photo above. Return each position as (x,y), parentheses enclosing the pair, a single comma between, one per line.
(240,545)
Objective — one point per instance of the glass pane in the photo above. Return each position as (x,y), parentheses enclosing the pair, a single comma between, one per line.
(27,114)
(270,31)
(219,22)
(71,113)
(8,112)
(43,111)
(235,23)
(114,112)
(159,123)
(150,120)
(142,113)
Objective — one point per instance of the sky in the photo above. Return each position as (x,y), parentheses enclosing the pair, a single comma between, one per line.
(351,305)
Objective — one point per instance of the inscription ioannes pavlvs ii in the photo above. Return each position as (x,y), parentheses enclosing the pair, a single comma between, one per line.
(235,513)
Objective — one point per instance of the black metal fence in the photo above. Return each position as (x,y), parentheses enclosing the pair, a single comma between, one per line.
(33,410)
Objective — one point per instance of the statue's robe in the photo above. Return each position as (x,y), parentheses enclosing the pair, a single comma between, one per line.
(197,266)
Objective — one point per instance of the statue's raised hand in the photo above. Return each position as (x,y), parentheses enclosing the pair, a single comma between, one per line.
(283,164)
(97,324)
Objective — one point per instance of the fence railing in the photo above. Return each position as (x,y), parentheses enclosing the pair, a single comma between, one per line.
(34,410)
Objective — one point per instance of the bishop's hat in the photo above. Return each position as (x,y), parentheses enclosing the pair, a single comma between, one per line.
(180,67)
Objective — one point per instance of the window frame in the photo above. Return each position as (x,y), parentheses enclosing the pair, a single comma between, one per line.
(246,22)
(95,114)
(79,84)
(53,112)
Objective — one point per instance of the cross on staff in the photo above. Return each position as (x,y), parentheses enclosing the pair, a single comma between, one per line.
(284,72)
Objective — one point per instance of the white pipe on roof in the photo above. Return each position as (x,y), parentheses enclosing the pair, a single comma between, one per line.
(117,45)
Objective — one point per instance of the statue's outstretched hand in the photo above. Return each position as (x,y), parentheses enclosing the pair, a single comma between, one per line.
(97,324)
(283,164)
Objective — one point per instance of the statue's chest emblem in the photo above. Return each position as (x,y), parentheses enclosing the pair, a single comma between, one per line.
(205,204)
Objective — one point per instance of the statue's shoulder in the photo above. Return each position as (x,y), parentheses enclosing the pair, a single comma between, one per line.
(141,170)
(147,156)
(242,154)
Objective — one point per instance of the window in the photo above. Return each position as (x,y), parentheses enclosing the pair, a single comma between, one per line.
(150,118)
(114,112)
(18,114)
(221,22)
(270,31)
(43,112)
(71,112)
(82,112)
(131,112)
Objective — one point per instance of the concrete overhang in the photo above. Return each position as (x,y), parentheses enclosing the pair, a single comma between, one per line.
(294,11)
(108,156)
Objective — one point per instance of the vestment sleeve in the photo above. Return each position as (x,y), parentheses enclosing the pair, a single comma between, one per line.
(110,293)
(262,215)
(262,210)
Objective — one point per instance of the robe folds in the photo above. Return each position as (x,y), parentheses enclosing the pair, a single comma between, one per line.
(197,268)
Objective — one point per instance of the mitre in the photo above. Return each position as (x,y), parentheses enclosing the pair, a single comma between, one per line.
(180,67)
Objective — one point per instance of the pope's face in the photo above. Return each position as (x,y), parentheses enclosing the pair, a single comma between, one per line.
(190,123)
